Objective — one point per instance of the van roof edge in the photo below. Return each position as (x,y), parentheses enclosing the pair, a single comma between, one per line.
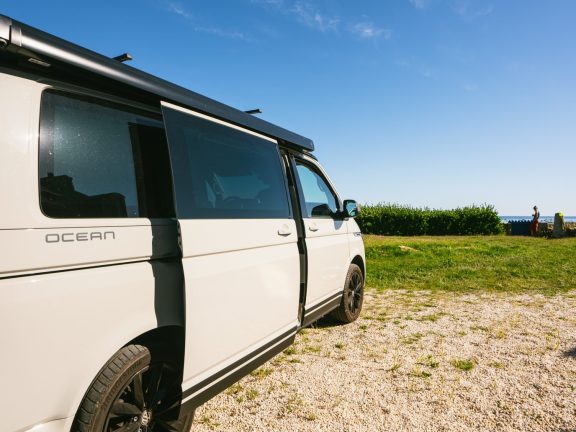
(50,48)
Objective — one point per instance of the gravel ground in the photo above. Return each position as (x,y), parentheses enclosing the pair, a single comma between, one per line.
(418,361)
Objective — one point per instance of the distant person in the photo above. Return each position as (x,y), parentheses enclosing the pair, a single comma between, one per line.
(534,229)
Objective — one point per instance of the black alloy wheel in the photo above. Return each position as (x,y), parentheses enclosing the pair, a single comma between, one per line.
(132,393)
(149,403)
(355,293)
(352,296)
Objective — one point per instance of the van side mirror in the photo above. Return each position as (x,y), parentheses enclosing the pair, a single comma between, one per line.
(351,208)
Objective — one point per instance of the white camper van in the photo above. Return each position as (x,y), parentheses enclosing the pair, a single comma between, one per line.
(155,245)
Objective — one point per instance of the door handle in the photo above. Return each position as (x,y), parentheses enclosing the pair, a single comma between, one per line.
(284,231)
(313,227)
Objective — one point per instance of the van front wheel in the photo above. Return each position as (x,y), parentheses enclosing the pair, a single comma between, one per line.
(352,297)
(134,393)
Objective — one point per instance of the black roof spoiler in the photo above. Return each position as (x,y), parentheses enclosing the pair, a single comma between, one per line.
(43,49)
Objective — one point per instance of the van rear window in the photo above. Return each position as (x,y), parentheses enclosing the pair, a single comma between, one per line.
(92,160)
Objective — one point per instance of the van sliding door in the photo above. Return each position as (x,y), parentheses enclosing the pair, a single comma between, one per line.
(239,249)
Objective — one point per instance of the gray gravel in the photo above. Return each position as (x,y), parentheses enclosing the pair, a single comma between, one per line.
(418,361)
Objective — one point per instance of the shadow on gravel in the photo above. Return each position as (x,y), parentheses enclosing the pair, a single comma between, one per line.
(325,322)
(570,353)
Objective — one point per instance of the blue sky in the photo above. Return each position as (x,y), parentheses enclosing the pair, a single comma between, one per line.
(438,103)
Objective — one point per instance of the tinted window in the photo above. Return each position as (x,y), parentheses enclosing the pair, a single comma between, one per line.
(92,159)
(221,172)
(319,199)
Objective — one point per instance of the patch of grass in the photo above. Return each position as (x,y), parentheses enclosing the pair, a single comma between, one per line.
(471,263)
(411,338)
(432,317)
(339,345)
(419,373)
(463,365)
(294,403)
(496,365)
(429,304)
(363,327)
(209,422)
(261,372)
(313,349)
(290,351)
(428,361)
(234,389)
(479,328)
(500,334)
(252,394)
(310,416)
(394,367)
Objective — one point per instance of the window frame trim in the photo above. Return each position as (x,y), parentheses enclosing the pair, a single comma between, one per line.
(214,120)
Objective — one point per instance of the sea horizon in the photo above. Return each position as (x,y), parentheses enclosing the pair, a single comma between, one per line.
(529,218)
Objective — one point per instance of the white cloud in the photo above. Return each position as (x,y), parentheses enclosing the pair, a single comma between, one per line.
(420,4)
(178,9)
(308,15)
(274,3)
(465,9)
(223,33)
(367,30)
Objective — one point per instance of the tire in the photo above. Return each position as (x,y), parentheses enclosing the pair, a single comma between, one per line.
(352,297)
(132,393)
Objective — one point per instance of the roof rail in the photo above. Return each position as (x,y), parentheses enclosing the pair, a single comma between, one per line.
(52,52)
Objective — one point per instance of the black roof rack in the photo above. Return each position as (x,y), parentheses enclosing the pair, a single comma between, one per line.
(27,48)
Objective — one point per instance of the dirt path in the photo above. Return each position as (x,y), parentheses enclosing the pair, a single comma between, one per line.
(418,361)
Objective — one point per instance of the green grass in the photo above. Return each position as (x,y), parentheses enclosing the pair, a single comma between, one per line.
(474,263)
(262,372)
(411,338)
(463,365)
(429,361)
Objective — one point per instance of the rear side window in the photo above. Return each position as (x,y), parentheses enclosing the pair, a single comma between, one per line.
(224,173)
(99,159)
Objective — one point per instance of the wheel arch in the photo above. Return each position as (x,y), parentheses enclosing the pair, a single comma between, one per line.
(360,263)
(166,342)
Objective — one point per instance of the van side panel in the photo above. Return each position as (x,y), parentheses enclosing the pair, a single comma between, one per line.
(240,295)
(19,115)
(356,242)
(66,247)
(59,328)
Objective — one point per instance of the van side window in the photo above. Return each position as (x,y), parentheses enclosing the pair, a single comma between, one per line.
(319,198)
(224,173)
(96,155)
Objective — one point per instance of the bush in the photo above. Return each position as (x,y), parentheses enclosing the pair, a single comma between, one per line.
(394,219)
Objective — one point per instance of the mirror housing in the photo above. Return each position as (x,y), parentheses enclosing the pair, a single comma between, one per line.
(351,208)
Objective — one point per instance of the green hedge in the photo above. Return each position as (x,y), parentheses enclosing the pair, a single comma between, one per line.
(394,219)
